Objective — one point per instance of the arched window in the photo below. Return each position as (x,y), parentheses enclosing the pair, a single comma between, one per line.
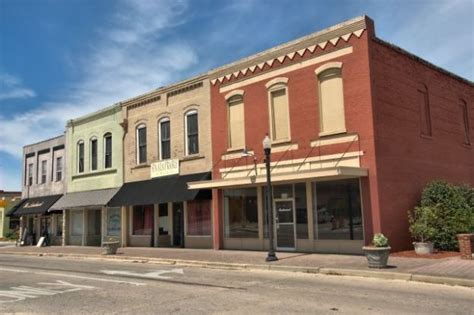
(141,144)
(425,112)
(192,132)
(93,153)
(278,109)
(164,138)
(108,150)
(465,122)
(235,122)
(331,99)
(80,156)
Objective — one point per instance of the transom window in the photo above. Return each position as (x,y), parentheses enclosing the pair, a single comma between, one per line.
(164,137)
(108,150)
(141,144)
(192,133)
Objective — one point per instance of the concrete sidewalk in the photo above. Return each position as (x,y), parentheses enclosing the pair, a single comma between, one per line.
(451,270)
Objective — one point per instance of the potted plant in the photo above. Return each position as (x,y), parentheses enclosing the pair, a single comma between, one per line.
(377,253)
(421,229)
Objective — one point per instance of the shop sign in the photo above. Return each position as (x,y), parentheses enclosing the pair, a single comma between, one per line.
(164,168)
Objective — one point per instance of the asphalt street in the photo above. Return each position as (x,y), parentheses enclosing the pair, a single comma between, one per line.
(64,286)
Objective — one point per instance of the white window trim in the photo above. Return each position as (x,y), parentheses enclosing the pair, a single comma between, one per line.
(90,154)
(137,146)
(83,157)
(188,113)
(107,134)
(326,66)
(272,86)
(162,120)
(228,98)
(58,158)
(44,162)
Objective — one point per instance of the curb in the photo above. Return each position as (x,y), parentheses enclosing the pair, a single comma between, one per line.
(279,268)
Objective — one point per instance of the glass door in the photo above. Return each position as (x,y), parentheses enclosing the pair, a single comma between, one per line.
(285,224)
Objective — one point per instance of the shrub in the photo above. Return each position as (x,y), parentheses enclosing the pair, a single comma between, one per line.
(380,240)
(420,220)
(449,210)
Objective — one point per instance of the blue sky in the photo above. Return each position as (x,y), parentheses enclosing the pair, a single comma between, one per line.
(62,59)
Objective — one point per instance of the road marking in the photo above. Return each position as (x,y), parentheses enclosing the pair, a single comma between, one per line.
(149,275)
(21,293)
(71,276)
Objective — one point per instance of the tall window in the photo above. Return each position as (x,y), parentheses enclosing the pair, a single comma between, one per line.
(165,138)
(192,133)
(331,99)
(465,121)
(93,154)
(425,115)
(59,168)
(43,171)
(141,144)
(199,217)
(279,111)
(163,226)
(142,220)
(30,174)
(108,150)
(235,120)
(80,157)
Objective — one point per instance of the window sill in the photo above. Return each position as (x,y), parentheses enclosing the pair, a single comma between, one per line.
(143,165)
(192,157)
(94,173)
(282,142)
(331,133)
(235,150)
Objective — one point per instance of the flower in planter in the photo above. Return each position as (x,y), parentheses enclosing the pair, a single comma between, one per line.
(380,240)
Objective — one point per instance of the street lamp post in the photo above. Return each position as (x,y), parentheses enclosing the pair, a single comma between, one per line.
(267,148)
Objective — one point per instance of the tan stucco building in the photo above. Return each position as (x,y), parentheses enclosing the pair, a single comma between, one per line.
(167,142)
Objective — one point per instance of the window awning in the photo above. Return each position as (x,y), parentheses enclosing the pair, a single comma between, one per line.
(82,199)
(283,177)
(36,205)
(160,190)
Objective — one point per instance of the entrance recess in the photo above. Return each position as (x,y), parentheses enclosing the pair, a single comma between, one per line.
(285,224)
(178,224)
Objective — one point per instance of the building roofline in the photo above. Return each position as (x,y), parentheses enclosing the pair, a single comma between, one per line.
(423,61)
(164,89)
(293,45)
(90,116)
(43,141)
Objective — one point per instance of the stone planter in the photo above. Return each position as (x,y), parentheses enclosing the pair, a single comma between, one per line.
(423,248)
(377,257)
(466,245)
(110,248)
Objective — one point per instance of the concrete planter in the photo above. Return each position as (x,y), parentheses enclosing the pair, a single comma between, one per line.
(110,248)
(377,257)
(423,248)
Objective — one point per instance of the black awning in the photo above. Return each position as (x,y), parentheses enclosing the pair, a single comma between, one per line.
(160,190)
(13,207)
(37,205)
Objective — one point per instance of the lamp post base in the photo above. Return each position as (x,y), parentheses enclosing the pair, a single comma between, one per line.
(271,257)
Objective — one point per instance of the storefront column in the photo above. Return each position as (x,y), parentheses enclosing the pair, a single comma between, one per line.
(261,217)
(218,228)
(124,226)
(309,209)
(103,225)
(156,224)
(65,229)
(84,227)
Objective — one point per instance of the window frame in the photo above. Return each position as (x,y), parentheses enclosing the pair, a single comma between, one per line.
(105,137)
(276,85)
(59,168)
(160,140)
(137,140)
(186,139)
(30,176)
(92,141)
(78,156)
(44,171)
(233,99)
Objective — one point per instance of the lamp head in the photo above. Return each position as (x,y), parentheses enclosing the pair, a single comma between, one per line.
(267,143)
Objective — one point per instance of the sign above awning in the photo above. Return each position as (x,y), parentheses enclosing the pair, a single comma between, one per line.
(287,177)
(36,205)
(160,190)
(83,199)
(164,168)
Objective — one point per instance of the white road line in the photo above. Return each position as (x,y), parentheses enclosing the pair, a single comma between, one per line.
(149,275)
(71,276)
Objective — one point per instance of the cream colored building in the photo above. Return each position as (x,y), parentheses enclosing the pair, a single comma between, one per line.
(167,142)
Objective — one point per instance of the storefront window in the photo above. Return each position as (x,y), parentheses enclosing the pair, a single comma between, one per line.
(59,225)
(142,220)
(163,213)
(113,221)
(76,223)
(301,211)
(241,213)
(199,217)
(337,210)
(93,222)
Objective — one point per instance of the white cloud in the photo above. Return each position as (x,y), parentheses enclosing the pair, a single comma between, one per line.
(11,87)
(133,56)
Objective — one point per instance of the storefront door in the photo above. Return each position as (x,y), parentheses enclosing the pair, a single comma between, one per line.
(285,224)
(178,224)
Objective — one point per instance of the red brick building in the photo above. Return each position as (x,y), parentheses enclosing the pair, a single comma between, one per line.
(358,127)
